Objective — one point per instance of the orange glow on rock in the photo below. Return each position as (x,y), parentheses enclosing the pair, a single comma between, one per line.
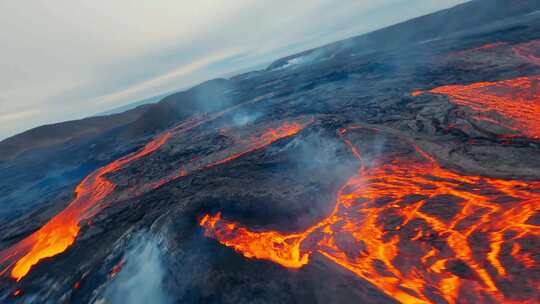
(513,104)
(488,46)
(60,232)
(91,196)
(409,227)
(116,269)
(529,51)
(268,137)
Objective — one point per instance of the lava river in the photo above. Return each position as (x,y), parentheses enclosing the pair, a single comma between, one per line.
(93,194)
(60,232)
(417,231)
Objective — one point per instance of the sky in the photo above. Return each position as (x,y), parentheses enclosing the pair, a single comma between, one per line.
(68,59)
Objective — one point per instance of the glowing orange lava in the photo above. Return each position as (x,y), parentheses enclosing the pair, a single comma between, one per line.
(485,47)
(60,232)
(116,269)
(419,232)
(515,102)
(266,138)
(92,193)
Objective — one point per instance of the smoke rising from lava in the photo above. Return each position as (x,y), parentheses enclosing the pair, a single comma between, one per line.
(390,226)
(141,278)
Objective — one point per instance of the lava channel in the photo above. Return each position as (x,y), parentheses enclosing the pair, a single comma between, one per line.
(419,232)
(60,232)
(91,197)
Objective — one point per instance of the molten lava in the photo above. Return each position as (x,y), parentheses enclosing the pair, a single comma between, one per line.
(419,232)
(526,51)
(92,194)
(513,104)
(266,138)
(60,232)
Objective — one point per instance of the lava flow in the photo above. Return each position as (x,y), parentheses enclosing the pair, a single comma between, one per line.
(515,102)
(254,143)
(419,232)
(91,194)
(60,232)
(266,138)
(479,50)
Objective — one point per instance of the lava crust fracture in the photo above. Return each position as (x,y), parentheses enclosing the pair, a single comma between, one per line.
(400,166)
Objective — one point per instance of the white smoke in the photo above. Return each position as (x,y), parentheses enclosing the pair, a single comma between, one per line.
(300,60)
(141,278)
(241,119)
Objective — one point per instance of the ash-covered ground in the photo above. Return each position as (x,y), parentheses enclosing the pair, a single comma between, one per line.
(398,166)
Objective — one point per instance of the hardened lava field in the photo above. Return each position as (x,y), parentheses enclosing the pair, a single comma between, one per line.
(400,166)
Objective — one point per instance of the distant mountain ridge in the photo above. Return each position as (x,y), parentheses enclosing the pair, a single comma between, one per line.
(133,105)
(435,25)
(150,118)
(143,120)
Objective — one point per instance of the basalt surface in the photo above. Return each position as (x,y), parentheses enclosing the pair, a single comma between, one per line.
(371,170)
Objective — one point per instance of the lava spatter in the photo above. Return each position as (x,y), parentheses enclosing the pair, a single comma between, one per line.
(92,193)
(419,232)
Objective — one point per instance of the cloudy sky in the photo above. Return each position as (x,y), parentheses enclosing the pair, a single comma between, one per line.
(68,59)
